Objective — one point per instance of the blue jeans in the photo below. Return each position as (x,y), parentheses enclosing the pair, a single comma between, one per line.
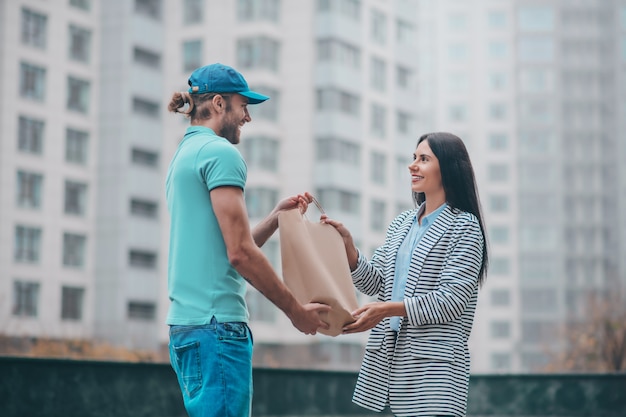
(213,363)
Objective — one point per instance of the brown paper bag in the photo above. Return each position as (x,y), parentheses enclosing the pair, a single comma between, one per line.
(315,268)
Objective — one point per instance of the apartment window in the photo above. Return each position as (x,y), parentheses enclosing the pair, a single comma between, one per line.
(458,113)
(32,81)
(333,99)
(497,19)
(457,21)
(144,208)
(29,187)
(34,27)
(140,310)
(403,77)
(535,49)
(30,135)
(25,298)
(260,308)
(378,28)
(500,298)
(259,52)
(142,259)
(192,55)
(81,4)
(536,81)
(338,52)
(458,82)
(538,268)
(272,252)
(497,111)
(498,172)
(377,215)
(270,109)
(261,152)
(402,172)
(333,149)
(501,361)
(260,201)
(458,52)
(74,250)
(498,50)
(499,265)
(75,198)
(378,121)
(347,8)
(535,19)
(72,303)
(147,58)
(252,10)
(498,141)
(76,143)
(378,74)
(499,234)
(146,107)
(77,94)
(27,244)
(378,168)
(499,203)
(533,361)
(404,122)
(500,329)
(144,157)
(539,300)
(405,32)
(193,11)
(148,8)
(80,44)
(334,199)
(535,331)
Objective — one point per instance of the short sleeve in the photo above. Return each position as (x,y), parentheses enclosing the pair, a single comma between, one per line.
(221,165)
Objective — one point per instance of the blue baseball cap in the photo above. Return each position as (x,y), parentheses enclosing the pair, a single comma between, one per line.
(219,78)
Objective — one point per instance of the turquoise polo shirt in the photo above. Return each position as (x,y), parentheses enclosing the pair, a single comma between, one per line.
(201,281)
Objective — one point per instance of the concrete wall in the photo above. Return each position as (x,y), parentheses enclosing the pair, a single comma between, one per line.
(63,388)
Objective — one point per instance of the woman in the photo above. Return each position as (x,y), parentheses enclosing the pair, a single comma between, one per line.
(426,277)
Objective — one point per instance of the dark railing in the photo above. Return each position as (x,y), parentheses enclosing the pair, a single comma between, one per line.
(69,388)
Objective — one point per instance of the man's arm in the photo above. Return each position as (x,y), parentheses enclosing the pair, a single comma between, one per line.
(246,257)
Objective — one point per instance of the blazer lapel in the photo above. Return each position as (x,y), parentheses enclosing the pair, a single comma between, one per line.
(399,235)
(428,241)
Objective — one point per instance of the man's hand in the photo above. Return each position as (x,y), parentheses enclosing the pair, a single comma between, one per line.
(307,318)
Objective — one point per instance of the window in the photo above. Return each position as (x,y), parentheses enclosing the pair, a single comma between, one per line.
(77,94)
(501,298)
(404,122)
(535,49)
(536,18)
(145,157)
(538,268)
(144,208)
(75,198)
(141,310)
(81,4)
(498,50)
(499,266)
(405,33)
(458,52)
(192,55)
(499,234)
(334,199)
(34,27)
(403,77)
(147,58)
(498,141)
(537,331)
(74,250)
(333,149)
(25,298)
(339,52)
(497,111)
(142,259)
(272,252)
(458,113)
(458,82)
(260,201)
(148,8)
(30,135)
(378,120)
(536,80)
(29,187)
(76,143)
(539,300)
(498,172)
(80,44)
(377,215)
(333,99)
(378,28)
(260,308)
(497,19)
(457,21)
(270,109)
(499,203)
(498,81)
(252,10)
(146,107)
(27,244)
(32,81)
(500,329)
(378,168)
(348,8)
(378,74)
(259,52)
(261,152)
(501,361)
(193,11)
(72,303)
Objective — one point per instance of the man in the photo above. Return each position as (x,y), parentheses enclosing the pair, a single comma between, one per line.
(212,249)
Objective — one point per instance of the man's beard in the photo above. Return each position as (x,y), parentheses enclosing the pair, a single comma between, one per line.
(230,131)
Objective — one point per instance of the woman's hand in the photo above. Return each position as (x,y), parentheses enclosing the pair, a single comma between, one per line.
(347,240)
(300,201)
(371,314)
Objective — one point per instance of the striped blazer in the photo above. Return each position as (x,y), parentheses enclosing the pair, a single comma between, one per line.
(423,370)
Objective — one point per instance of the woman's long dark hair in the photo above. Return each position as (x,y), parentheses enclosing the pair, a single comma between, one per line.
(459,183)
